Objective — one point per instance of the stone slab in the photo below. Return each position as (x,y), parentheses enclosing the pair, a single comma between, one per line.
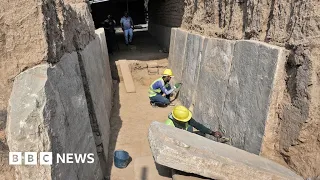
(99,82)
(191,68)
(179,175)
(248,94)
(146,169)
(188,152)
(177,59)
(172,44)
(106,70)
(48,112)
(213,80)
(127,77)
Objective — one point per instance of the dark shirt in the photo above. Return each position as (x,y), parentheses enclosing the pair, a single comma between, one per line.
(192,122)
(109,25)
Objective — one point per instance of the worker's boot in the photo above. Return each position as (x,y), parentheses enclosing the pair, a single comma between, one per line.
(153,104)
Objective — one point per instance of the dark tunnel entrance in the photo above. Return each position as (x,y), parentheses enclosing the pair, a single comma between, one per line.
(116,8)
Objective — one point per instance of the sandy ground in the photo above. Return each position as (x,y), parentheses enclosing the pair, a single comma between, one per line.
(132,113)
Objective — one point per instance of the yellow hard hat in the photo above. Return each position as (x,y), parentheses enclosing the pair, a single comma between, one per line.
(167,72)
(181,113)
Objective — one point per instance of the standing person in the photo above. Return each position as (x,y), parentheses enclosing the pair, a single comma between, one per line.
(127,27)
(109,27)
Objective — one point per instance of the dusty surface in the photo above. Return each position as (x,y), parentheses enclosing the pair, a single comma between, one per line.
(131,118)
(132,113)
(293,138)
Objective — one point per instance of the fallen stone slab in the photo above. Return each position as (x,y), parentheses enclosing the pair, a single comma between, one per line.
(127,77)
(184,151)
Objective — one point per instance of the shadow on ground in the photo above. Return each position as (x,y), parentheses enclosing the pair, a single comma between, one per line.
(115,126)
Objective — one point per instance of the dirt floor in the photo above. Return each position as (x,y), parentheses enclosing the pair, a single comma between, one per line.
(132,113)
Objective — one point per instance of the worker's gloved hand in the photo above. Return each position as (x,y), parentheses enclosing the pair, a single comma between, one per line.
(177,85)
(216,134)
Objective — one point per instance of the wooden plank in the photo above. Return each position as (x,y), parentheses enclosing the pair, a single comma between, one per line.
(127,77)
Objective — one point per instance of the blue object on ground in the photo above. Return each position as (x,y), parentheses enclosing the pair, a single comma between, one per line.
(121,159)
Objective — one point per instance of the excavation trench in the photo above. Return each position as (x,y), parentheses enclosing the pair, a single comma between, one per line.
(131,112)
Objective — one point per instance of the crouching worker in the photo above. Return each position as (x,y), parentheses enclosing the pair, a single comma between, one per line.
(160,90)
(181,118)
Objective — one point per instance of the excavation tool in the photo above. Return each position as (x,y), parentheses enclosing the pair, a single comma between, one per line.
(178,86)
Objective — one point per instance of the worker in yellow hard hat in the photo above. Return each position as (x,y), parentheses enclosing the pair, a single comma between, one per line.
(181,118)
(160,90)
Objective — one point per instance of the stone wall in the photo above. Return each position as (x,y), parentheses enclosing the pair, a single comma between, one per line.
(63,108)
(62,93)
(161,34)
(293,129)
(166,13)
(163,15)
(34,32)
(48,112)
(228,84)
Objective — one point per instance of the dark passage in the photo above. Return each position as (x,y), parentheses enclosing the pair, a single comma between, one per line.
(116,8)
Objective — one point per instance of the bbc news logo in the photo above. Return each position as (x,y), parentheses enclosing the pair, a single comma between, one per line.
(46,158)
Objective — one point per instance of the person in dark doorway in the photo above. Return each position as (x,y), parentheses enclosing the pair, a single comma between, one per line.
(181,118)
(109,28)
(127,27)
(160,90)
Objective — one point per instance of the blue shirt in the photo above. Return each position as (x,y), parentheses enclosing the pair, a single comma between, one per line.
(126,21)
(160,84)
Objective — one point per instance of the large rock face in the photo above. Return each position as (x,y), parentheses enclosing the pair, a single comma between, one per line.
(191,66)
(229,85)
(213,78)
(250,85)
(293,135)
(48,112)
(97,77)
(70,105)
(189,152)
(33,32)
(177,58)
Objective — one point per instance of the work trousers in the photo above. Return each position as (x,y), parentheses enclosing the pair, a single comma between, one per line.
(128,34)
